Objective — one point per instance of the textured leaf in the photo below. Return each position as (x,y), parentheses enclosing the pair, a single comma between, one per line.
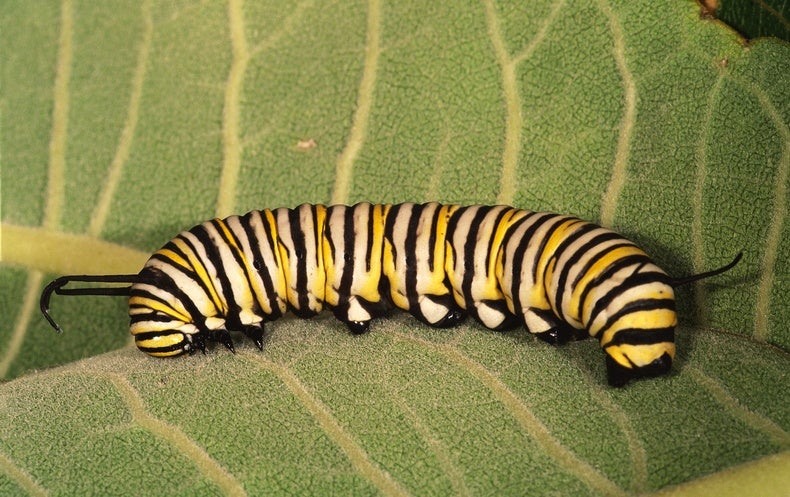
(755,19)
(124,123)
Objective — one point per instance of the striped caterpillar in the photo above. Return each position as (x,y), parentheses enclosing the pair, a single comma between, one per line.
(561,277)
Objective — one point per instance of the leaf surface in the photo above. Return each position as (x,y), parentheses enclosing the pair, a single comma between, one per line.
(755,19)
(125,123)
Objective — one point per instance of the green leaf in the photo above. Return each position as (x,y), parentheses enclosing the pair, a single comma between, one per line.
(756,19)
(124,123)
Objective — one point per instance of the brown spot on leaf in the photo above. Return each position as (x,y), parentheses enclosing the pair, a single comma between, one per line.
(708,8)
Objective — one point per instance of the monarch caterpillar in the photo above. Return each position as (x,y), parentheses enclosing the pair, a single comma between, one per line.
(563,278)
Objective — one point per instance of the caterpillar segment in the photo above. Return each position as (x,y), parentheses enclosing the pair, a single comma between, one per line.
(562,278)
(414,263)
(353,246)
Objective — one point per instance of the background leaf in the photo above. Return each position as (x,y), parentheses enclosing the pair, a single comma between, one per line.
(125,123)
(754,19)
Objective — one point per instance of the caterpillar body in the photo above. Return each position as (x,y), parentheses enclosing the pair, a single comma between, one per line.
(561,277)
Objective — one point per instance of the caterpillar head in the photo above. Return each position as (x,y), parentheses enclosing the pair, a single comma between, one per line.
(159,336)
(157,325)
(160,324)
(640,339)
(629,362)
(636,327)
(172,315)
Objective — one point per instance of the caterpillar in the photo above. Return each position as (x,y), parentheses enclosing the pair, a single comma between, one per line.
(561,277)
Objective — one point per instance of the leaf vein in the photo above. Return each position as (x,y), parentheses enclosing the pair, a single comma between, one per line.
(738,410)
(566,458)
(618,175)
(778,16)
(286,27)
(635,446)
(32,248)
(177,438)
(60,119)
(777,217)
(102,210)
(21,478)
(514,120)
(229,176)
(540,36)
(331,426)
(439,449)
(29,301)
(620,418)
(367,86)
(439,162)
(697,252)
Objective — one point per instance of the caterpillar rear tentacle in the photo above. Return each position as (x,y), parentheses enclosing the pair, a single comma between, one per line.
(562,278)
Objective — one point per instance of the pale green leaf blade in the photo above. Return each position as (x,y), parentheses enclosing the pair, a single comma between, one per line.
(124,123)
